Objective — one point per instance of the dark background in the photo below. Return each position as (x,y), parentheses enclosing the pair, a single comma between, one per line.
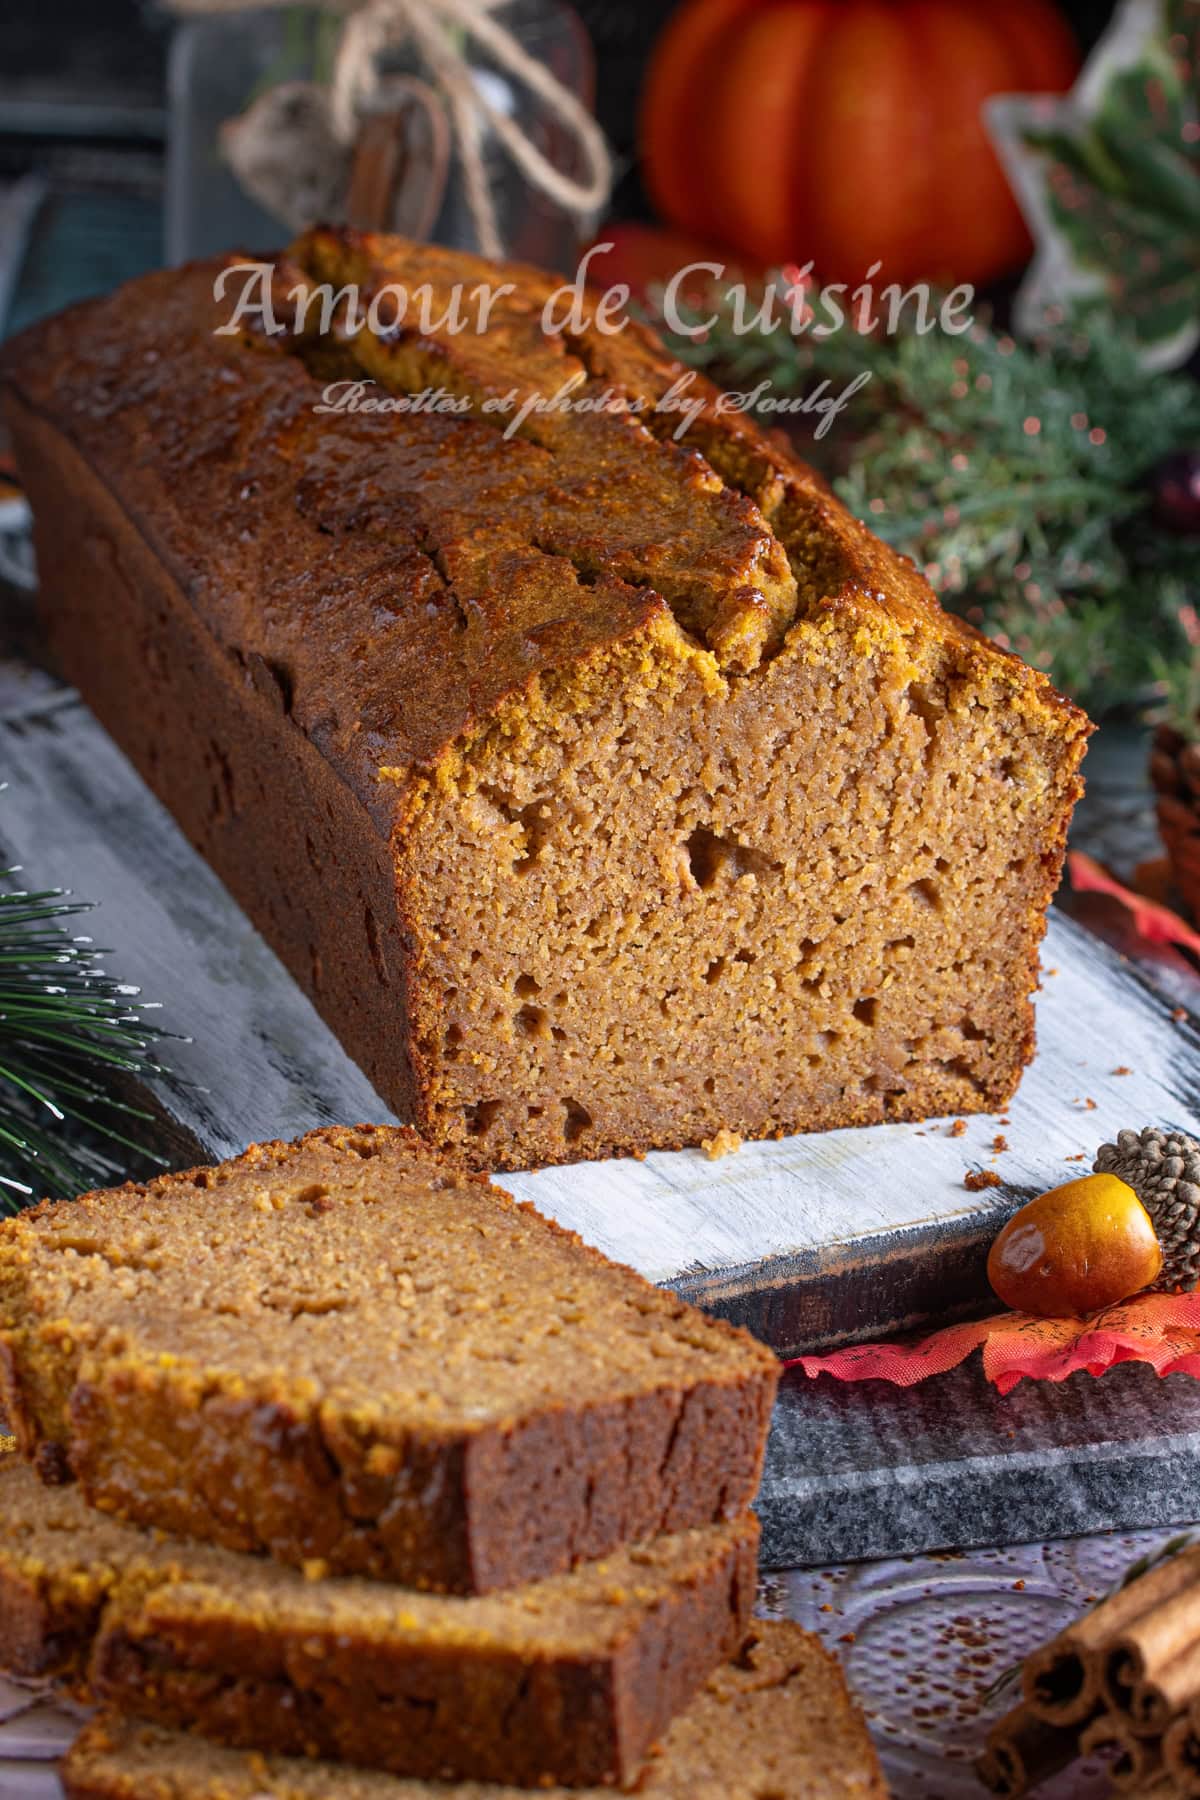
(92,71)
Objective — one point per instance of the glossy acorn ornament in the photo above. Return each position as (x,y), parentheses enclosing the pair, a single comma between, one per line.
(1075,1250)
(1163,1169)
(1133,1224)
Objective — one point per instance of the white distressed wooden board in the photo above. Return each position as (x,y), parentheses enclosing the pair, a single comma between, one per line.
(744,1233)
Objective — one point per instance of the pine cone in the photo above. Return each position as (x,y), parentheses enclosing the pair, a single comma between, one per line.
(1163,1169)
(1175,773)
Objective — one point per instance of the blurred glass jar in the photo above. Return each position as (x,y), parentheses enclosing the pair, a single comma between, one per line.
(220,65)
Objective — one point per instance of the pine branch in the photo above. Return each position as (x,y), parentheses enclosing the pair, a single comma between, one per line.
(70,1036)
(1018,476)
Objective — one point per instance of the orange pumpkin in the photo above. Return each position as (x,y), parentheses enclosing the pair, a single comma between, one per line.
(642,256)
(847,132)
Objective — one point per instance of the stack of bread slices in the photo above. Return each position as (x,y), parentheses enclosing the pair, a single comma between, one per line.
(344,1475)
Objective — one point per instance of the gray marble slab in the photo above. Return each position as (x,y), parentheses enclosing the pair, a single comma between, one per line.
(864,1469)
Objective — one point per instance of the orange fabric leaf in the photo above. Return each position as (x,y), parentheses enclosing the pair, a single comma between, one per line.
(1154,922)
(1162,1330)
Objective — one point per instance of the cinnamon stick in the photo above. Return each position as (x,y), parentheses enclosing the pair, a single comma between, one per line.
(1152,1671)
(1022,1750)
(1132,1761)
(1064,1681)
(1181,1754)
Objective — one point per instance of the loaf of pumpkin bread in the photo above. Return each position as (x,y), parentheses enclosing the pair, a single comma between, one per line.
(775,1724)
(567,1680)
(604,786)
(350,1351)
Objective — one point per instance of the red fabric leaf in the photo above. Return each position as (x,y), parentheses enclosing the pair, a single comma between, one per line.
(1157,924)
(1162,1330)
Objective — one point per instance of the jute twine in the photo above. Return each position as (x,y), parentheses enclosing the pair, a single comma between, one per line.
(439,29)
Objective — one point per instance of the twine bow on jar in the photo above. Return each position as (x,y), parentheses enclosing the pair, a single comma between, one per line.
(438,30)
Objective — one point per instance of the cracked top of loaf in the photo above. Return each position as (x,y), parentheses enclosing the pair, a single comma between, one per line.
(391,577)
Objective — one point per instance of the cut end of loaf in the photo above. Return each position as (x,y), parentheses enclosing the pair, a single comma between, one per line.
(772,857)
(652,904)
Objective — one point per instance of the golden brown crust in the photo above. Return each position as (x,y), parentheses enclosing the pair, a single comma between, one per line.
(275,520)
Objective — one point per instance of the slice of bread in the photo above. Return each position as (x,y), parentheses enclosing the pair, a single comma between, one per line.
(568,1680)
(347,1350)
(775,1724)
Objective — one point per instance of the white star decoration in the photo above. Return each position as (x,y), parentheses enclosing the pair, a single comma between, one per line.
(1139,36)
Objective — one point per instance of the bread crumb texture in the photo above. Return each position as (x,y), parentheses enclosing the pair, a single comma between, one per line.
(350,1349)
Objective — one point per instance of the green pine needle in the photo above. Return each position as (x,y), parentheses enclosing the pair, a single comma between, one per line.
(70,1037)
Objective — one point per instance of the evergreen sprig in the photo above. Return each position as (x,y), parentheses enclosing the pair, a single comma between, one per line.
(1018,476)
(70,1036)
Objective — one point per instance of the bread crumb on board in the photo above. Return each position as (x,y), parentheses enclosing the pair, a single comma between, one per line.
(958,1129)
(724,1144)
(975,1180)
(999,1143)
